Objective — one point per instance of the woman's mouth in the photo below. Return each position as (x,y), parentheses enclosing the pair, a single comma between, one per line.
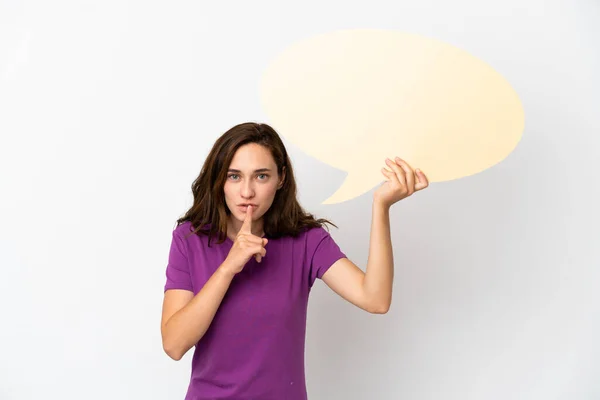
(244,208)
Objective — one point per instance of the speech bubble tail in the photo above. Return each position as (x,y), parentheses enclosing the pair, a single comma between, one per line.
(354,185)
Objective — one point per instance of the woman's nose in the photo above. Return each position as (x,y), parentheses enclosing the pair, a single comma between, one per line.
(247,189)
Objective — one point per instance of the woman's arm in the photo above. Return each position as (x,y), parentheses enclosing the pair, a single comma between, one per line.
(379,275)
(372,290)
(186,318)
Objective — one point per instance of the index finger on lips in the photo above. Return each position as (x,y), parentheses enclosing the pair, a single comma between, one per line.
(247,225)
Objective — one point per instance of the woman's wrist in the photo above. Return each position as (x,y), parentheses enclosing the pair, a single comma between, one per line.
(226,269)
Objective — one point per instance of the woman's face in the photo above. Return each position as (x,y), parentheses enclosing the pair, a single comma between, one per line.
(251,179)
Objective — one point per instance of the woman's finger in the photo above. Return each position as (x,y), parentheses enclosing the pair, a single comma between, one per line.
(410,174)
(261,252)
(422,181)
(252,239)
(386,173)
(398,172)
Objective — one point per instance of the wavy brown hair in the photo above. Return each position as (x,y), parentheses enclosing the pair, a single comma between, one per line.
(209,212)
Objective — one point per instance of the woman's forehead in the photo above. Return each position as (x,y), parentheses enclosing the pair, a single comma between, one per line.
(251,157)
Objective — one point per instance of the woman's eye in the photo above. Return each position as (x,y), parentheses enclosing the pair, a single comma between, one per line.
(235,177)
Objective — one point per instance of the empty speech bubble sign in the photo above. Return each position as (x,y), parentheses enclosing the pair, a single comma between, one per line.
(352,98)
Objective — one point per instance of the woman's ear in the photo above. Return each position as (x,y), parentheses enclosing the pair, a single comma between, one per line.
(282,179)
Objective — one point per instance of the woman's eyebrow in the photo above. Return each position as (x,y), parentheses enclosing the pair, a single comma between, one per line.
(256,170)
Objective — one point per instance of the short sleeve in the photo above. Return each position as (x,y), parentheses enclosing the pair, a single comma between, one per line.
(178,271)
(325,253)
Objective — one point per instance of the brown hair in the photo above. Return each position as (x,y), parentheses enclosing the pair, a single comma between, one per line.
(209,212)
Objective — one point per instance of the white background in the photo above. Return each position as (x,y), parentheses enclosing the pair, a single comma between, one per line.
(108,109)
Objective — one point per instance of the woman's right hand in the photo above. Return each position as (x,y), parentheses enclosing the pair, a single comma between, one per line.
(245,246)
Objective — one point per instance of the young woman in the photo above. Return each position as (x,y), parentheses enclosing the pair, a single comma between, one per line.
(243,260)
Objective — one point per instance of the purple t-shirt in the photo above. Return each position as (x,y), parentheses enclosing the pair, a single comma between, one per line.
(254,347)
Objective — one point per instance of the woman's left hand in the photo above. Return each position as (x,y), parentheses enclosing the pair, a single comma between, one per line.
(400,182)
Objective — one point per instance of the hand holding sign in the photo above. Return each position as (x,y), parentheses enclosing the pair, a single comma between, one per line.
(400,183)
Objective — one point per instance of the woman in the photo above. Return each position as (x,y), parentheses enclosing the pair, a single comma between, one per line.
(243,260)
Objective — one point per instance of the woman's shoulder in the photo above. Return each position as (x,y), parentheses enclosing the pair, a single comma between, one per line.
(313,234)
(186,231)
(183,229)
